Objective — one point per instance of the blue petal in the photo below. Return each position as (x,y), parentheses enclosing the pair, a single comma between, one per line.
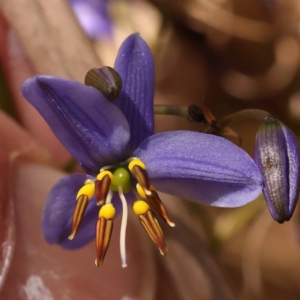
(200,167)
(58,213)
(93,130)
(135,65)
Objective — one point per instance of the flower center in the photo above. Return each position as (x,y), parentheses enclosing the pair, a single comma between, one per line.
(119,180)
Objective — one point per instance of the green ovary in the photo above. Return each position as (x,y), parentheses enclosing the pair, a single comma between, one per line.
(121,179)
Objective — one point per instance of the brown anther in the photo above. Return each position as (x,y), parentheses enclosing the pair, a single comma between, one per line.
(102,189)
(159,207)
(142,177)
(103,233)
(152,227)
(81,204)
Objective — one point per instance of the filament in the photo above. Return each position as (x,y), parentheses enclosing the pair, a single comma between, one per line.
(123,228)
(109,197)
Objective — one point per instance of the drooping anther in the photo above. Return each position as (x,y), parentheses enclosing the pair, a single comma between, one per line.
(106,80)
(104,229)
(150,224)
(156,203)
(83,196)
(102,184)
(138,169)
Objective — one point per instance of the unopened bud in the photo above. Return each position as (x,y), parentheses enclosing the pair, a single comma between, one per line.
(277,156)
(106,80)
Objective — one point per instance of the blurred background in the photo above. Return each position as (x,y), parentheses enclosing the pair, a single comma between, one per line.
(230,55)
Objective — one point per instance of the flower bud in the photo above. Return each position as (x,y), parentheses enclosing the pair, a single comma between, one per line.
(277,156)
(106,80)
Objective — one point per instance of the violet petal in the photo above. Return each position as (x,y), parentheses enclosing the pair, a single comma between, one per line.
(58,212)
(200,167)
(135,65)
(93,130)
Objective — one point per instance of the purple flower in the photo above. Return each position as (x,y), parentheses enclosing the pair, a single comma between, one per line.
(93,17)
(115,144)
(277,156)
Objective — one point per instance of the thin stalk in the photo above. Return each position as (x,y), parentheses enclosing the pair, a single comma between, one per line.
(192,112)
(181,111)
(257,114)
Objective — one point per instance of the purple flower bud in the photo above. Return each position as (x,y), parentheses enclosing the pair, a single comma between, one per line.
(277,156)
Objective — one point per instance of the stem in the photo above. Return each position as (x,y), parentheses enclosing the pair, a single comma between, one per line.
(192,112)
(181,111)
(257,114)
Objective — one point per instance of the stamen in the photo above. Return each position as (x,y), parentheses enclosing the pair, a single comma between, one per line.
(138,169)
(154,231)
(109,197)
(82,198)
(88,190)
(104,229)
(150,224)
(102,185)
(123,228)
(81,205)
(156,203)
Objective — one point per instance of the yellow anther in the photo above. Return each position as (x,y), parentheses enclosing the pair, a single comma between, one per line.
(136,162)
(140,207)
(88,190)
(103,173)
(107,211)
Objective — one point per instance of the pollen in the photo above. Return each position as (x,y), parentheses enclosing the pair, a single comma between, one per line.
(136,162)
(88,190)
(103,173)
(107,211)
(140,190)
(140,207)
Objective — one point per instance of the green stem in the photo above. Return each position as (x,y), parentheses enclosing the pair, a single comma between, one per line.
(193,113)
(181,111)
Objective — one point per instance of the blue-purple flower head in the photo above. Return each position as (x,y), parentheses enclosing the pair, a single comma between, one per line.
(115,144)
